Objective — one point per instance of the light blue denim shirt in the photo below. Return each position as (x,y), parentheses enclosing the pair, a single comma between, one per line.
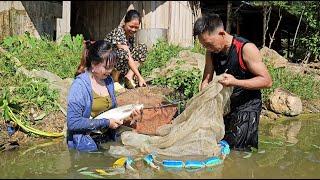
(79,109)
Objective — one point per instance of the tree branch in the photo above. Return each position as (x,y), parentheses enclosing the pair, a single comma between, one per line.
(275,30)
(266,13)
(295,35)
(229,17)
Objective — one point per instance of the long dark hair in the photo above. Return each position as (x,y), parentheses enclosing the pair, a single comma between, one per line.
(95,53)
(132,14)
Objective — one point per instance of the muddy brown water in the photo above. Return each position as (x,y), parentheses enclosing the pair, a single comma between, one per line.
(287,149)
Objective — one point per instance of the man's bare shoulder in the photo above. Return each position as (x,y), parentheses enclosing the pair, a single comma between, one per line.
(250,51)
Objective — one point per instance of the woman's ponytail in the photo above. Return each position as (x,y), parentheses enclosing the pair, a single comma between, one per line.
(84,63)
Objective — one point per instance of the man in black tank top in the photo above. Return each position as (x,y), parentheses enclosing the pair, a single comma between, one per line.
(240,64)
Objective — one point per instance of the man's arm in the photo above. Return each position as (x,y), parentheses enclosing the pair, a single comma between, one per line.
(208,71)
(253,61)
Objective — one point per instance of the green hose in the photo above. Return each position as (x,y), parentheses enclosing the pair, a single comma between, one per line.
(31,129)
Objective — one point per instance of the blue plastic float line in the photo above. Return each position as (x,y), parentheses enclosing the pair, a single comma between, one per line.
(173,163)
(194,164)
(148,159)
(191,164)
(212,161)
(129,161)
(225,149)
(224,143)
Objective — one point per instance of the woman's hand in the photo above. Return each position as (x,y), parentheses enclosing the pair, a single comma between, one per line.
(114,123)
(142,82)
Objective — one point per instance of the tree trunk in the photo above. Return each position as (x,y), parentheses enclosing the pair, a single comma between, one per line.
(288,52)
(264,24)
(275,30)
(306,58)
(266,18)
(229,17)
(295,35)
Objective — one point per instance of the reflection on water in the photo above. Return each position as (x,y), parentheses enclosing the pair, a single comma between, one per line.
(287,150)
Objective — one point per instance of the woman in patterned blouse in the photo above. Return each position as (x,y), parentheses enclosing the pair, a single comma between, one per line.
(130,56)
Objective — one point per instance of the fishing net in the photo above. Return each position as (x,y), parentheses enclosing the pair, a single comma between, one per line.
(196,131)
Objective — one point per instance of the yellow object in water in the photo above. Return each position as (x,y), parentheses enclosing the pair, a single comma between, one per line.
(120,162)
(101,172)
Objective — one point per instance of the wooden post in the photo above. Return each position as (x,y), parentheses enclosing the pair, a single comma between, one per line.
(63,24)
(169,21)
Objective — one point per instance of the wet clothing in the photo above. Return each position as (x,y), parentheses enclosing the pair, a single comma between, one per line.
(138,52)
(78,113)
(241,124)
(100,104)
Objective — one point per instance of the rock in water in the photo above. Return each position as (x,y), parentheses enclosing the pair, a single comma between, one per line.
(284,102)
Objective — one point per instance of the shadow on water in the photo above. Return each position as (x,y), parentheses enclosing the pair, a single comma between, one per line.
(287,149)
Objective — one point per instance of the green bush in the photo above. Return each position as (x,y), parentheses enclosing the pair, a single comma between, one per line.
(198,48)
(43,54)
(35,92)
(25,92)
(186,82)
(305,86)
(160,54)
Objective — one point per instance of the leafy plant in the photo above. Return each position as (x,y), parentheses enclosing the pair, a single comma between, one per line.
(186,82)
(5,102)
(44,54)
(198,48)
(160,54)
(7,106)
(305,86)
(73,43)
(24,91)
(36,92)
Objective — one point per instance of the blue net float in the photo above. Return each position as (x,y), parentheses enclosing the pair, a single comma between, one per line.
(173,163)
(191,164)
